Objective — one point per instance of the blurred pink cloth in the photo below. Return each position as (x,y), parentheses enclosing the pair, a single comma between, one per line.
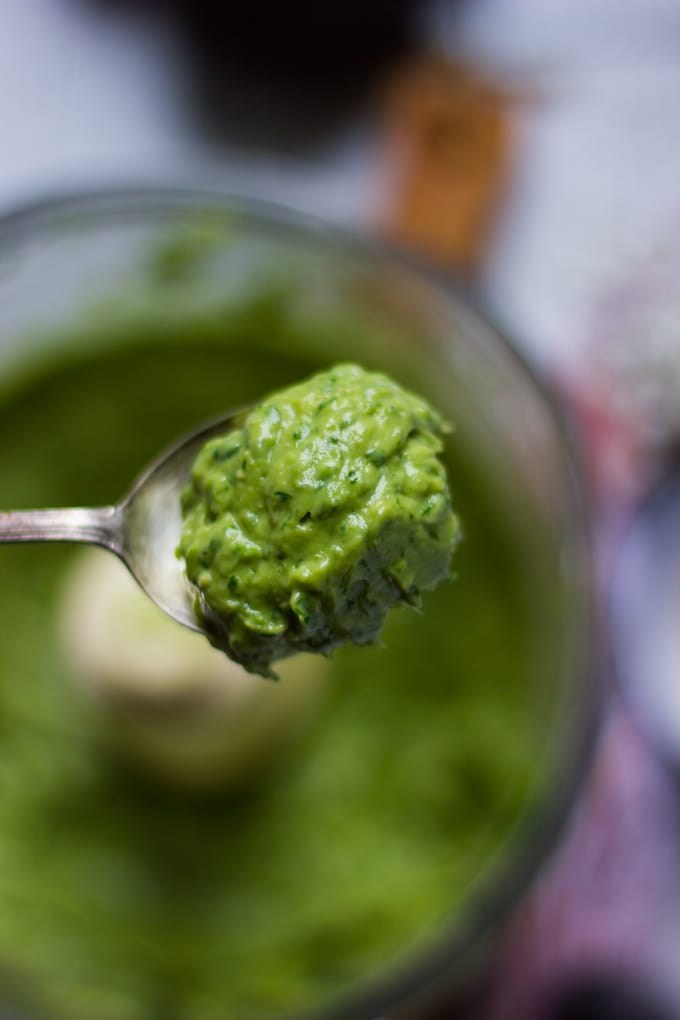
(610,900)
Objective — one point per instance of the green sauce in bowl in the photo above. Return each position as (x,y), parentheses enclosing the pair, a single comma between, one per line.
(369,838)
(118,902)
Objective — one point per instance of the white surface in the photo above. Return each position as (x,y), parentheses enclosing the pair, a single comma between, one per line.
(596,191)
(596,186)
(88,98)
(536,35)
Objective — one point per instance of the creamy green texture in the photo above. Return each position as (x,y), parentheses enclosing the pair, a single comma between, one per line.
(120,902)
(329,506)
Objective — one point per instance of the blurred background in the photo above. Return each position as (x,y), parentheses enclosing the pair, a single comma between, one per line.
(531,147)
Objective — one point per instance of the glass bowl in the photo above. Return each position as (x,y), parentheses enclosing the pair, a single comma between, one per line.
(82,277)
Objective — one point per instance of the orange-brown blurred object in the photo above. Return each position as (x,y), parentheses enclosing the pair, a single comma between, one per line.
(447,152)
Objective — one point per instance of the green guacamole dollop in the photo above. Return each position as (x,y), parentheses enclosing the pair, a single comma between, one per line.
(326,508)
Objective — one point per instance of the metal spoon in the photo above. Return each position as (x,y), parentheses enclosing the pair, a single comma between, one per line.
(143,529)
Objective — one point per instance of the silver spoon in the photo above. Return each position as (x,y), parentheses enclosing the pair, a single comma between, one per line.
(143,529)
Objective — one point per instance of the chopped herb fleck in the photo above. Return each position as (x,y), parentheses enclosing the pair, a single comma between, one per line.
(222,453)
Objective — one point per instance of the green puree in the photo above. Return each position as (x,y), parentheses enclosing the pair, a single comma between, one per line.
(118,902)
(328,507)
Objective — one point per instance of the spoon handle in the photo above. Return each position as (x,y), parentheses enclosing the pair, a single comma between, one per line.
(99,525)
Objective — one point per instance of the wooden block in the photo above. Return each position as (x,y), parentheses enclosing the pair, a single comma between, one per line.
(444,161)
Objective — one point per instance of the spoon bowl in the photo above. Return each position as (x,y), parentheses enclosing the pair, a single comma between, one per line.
(142,529)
